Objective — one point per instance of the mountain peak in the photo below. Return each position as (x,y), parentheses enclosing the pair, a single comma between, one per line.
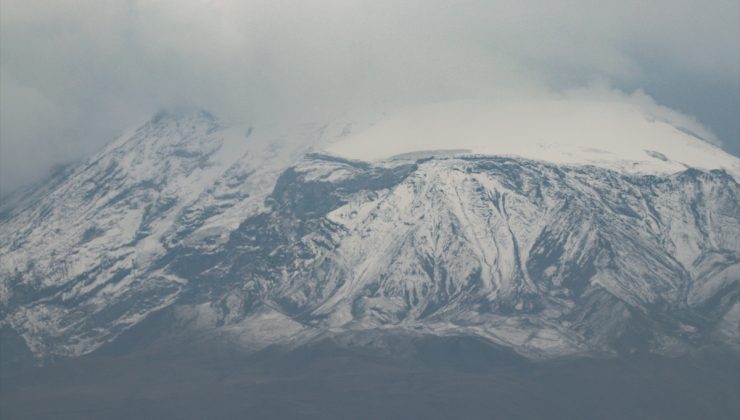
(182,121)
(170,115)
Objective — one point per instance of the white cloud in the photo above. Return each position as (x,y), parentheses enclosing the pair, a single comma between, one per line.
(596,126)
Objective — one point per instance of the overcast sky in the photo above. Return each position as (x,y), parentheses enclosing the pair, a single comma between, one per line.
(76,73)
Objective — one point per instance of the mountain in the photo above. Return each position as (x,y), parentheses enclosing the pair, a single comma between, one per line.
(256,238)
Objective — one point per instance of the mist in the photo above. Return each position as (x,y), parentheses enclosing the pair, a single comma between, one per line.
(76,74)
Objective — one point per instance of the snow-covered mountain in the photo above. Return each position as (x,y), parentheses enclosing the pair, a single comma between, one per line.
(251,236)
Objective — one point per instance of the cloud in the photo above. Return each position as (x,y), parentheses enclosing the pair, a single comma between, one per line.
(594,125)
(74,74)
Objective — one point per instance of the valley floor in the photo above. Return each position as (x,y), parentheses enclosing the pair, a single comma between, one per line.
(432,379)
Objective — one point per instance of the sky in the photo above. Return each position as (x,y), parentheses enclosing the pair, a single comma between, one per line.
(74,74)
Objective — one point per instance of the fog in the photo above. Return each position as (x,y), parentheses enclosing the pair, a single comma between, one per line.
(74,74)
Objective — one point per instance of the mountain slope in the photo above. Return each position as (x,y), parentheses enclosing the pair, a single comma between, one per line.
(84,250)
(245,241)
(548,260)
